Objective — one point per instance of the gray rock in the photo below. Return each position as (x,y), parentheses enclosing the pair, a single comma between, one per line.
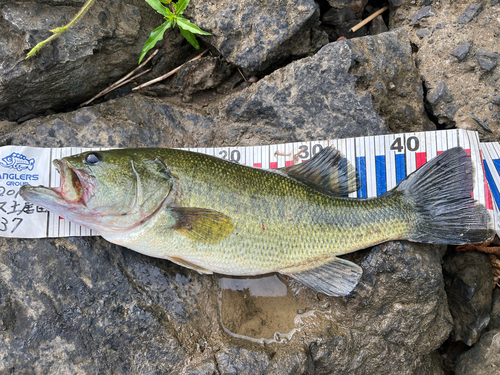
(101,48)
(337,17)
(254,36)
(440,93)
(422,33)
(495,99)
(470,12)
(199,75)
(358,6)
(287,99)
(461,51)
(425,12)
(328,95)
(339,4)
(89,306)
(468,83)
(468,278)
(345,75)
(344,30)
(486,59)
(384,67)
(377,26)
(386,259)
(483,358)
(396,3)
(132,121)
(426,2)
(450,111)
(495,313)
(480,122)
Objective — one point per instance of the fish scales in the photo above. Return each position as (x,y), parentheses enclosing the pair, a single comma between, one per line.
(279,221)
(212,215)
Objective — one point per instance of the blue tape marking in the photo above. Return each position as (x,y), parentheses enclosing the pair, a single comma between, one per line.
(361,166)
(400,168)
(491,183)
(381,174)
(496,162)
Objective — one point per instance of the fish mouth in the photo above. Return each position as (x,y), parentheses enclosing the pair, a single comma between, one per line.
(74,192)
(69,199)
(71,188)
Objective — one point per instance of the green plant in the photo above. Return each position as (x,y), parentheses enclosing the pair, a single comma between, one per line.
(173,13)
(59,30)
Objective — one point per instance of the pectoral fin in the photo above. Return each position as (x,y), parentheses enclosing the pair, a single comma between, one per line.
(335,278)
(201,225)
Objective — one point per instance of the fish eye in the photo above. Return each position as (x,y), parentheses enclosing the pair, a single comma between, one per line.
(92,159)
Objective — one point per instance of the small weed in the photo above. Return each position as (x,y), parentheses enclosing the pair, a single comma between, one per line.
(173,13)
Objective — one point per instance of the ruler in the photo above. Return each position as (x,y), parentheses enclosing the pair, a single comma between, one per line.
(380,161)
(490,153)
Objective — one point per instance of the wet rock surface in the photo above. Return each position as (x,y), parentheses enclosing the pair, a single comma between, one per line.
(468,279)
(82,304)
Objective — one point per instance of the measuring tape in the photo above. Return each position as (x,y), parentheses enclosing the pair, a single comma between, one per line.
(380,161)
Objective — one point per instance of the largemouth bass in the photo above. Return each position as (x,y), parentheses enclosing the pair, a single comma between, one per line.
(212,215)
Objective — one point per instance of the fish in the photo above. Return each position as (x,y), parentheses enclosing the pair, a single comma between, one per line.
(217,216)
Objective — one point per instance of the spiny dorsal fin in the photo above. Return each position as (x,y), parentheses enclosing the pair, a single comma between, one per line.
(201,224)
(328,171)
(336,278)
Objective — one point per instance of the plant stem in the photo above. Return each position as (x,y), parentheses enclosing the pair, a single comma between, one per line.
(59,30)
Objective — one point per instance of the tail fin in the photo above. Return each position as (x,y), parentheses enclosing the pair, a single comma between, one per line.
(440,192)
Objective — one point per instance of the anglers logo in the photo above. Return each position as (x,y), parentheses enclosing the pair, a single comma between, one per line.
(18,162)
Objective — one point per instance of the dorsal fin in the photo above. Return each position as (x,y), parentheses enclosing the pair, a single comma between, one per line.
(328,171)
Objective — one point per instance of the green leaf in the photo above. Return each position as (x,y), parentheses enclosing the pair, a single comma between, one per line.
(180,6)
(190,38)
(158,6)
(186,25)
(155,36)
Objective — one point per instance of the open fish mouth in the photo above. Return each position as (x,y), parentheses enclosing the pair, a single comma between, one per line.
(71,189)
(73,194)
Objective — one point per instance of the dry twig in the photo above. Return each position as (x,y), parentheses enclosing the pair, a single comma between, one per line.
(165,76)
(122,81)
(365,21)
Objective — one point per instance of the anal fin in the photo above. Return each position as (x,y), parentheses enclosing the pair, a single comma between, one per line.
(336,278)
